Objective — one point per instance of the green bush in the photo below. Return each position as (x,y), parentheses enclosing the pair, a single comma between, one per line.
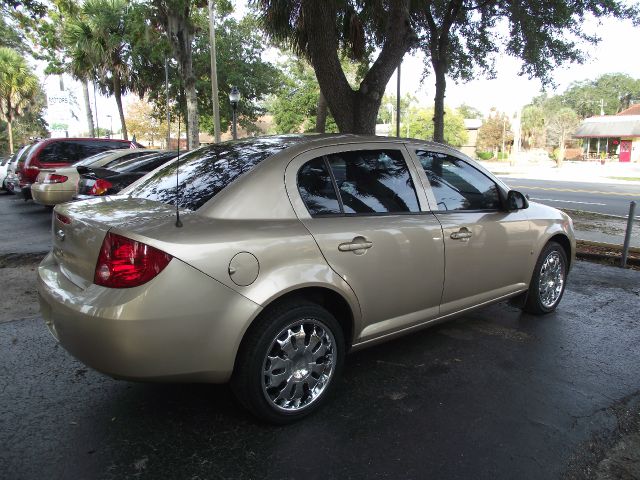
(484,155)
(503,155)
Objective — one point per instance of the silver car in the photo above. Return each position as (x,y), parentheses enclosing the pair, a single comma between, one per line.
(264,261)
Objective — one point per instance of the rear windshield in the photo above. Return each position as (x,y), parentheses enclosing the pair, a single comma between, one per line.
(126,157)
(206,171)
(94,158)
(142,164)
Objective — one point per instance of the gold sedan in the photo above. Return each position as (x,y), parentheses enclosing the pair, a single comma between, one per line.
(54,186)
(263,261)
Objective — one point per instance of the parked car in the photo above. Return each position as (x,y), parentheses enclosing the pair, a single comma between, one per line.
(4,165)
(110,179)
(11,180)
(62,152)
(288,252)
(60,185)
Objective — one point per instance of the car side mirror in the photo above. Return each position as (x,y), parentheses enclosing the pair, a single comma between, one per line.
(516,201)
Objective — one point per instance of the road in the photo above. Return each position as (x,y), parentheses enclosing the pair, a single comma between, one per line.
(610,199)
(496,394)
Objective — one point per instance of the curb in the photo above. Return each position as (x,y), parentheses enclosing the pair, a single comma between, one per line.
(611,246)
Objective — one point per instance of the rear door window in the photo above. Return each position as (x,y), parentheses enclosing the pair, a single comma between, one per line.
(358,182)
(374,181)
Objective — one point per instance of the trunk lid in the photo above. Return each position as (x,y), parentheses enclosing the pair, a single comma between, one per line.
(79,229)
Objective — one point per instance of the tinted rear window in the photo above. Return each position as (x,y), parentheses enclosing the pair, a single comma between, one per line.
(91,159)
(125,158)
(206,171)
(146,163)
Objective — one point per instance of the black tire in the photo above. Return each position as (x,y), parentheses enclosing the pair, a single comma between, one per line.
(537,302)
(251,376)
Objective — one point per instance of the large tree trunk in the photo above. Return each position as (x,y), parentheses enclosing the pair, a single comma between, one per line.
(354,111)
(181,39)
(438,102)
(439,45)
(87,106)
(117,90)
(321,114)
(193,130)
(10,134)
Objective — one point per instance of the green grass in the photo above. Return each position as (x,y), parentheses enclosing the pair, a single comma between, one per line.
(631,179)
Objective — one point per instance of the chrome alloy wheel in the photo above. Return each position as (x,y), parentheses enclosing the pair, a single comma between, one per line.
(551,280)
(298,365)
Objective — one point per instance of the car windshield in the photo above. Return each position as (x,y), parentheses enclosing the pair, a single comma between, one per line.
(206,171)
(92,159)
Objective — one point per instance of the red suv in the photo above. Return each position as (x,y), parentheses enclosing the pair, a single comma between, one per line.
(62,152)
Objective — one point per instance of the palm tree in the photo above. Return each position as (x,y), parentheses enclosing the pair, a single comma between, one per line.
(175,17)
(96,41)
(18,88)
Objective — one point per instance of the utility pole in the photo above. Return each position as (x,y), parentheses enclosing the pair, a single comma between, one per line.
(166,86)
(504,131)
(214,72)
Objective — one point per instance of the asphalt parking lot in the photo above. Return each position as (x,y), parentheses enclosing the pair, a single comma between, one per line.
(493,395)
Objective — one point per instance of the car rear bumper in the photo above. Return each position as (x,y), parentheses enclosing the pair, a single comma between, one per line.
(49,196)
(180,326)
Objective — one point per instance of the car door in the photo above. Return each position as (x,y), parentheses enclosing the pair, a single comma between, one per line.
(487,248)
(374,229)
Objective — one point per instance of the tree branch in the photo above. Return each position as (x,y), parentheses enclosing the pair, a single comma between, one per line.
(399,38)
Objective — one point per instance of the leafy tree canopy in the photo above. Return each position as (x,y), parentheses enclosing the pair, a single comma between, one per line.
(459,38)
(419,124)
(294,107)
(495,132)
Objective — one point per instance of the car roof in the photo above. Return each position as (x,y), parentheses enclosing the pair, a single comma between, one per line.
(307,141)
(82,139)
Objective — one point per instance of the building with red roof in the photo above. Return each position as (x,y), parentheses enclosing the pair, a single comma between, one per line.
(612,136)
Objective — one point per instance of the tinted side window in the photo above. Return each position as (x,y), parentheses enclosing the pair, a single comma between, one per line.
(374,181)
(60,152)
(316,188)
(457,185)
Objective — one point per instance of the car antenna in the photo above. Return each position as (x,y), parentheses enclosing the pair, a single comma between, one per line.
(178,222)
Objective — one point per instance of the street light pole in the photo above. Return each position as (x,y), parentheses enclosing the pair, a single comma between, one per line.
(214,72)
(234,98)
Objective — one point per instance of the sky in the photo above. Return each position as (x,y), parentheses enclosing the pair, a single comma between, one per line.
(508,92)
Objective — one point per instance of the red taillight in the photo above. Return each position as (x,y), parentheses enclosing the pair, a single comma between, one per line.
(29,174)
(63,218)
(55,178)
(126,263)
(100,187)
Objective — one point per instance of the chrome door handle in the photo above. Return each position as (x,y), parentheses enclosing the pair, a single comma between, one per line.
(461,234)
(357,245)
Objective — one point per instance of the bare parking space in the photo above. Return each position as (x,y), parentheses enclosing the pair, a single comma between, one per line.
(26,226)
(495,394)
